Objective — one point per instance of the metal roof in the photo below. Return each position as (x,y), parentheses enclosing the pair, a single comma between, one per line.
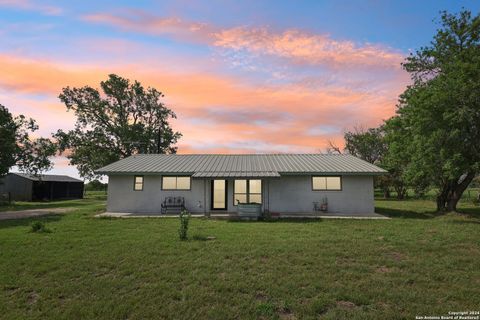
(241,165)
(47,177)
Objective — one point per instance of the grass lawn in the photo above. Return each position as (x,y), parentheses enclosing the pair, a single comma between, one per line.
(93,197)
(88,268)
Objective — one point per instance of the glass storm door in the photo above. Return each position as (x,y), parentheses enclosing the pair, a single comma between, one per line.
(219,194)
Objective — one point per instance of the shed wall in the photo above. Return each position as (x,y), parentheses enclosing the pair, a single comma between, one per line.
(19,188)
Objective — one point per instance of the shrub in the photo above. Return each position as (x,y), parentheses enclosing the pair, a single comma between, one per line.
(266,215)
(184,219)
(39,226)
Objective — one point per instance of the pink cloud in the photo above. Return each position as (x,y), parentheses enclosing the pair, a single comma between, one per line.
(245,107)
(307,48)
(32,6)
(140,21)
(296,45)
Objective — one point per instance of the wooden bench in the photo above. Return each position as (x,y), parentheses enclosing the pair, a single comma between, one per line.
(175,204)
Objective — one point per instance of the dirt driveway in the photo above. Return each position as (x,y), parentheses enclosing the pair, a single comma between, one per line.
(22,214)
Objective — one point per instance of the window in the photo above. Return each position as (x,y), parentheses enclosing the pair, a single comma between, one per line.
(327,183)
(247,191)
(175,183)
(240,189)
(138,183)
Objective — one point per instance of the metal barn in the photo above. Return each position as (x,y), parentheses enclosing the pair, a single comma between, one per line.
(27,187)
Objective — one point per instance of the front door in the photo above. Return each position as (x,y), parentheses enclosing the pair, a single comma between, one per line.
(219,194)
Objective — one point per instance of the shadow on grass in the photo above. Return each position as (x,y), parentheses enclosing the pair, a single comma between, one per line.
(471,212)
(405,214)
(466,221)
(28,221)
(280,220)
(74,203)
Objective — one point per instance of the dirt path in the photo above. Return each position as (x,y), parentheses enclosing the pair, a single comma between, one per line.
(22,214)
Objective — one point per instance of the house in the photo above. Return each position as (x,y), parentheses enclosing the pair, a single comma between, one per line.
(281,183)
(27,187)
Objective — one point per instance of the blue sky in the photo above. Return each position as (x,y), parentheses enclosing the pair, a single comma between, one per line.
(242,76)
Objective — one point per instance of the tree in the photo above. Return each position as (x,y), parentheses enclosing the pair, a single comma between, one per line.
(96,185)
(7,141)
(332,148)
(17,148)
(371,146)
(437,126)
(396,158)
(366,144)
(123,120)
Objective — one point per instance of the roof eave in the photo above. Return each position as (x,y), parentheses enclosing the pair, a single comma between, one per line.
(230,175)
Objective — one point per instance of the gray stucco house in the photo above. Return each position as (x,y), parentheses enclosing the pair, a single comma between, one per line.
(212,183)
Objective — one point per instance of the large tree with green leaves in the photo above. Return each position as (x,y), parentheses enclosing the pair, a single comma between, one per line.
(436,132)
(18,148)
(366,144)
(371,146)
(123,119)
(7,140)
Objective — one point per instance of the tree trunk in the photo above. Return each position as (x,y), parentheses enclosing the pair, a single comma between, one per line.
(442,197)
(401,192)
(452,192)
(386,193)
(457,191)
(159,141)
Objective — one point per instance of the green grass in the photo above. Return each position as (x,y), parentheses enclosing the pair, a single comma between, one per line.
(418,263)
(469,194)
(91,197)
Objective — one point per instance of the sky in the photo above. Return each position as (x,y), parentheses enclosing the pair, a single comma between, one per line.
(242,76)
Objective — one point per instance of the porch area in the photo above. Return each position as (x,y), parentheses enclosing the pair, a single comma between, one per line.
(234,216)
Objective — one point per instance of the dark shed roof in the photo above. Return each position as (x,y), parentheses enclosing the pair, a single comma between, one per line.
(47,177)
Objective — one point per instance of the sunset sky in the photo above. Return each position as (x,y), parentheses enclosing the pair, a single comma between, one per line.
(242,76)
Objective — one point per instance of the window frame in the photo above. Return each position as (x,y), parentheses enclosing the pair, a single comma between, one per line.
(176,183)
(248,191)
(326,185)
(135,182)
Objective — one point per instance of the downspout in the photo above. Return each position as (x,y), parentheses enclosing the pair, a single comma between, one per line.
(268,194)
(205,197)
